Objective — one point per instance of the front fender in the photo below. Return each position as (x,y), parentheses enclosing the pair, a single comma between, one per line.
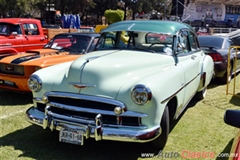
(49,75)
(163,84)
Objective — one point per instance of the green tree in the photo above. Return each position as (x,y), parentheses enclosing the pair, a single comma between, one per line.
(113,16)
(3,8)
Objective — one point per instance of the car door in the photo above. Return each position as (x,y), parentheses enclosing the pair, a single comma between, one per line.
(189,57)
(33,40)
(12,38)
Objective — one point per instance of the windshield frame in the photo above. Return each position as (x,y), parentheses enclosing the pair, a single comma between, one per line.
(130,40)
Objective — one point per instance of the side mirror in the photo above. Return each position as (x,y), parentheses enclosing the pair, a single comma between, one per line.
(232,118)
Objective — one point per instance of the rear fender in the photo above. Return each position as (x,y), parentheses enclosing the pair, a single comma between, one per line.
(207,72)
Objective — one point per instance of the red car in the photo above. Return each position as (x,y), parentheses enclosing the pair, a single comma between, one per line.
(19,35)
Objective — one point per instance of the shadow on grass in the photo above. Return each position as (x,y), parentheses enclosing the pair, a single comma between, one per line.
(235,100)
(14,98)
(36,143)
(225,151)
(192,103)
(214,83)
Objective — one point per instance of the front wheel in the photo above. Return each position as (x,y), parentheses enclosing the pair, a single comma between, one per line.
(161,141)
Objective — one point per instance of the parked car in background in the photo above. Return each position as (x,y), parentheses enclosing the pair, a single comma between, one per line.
(15,70)
(18,35)
(127,89)
(232,118)
(15,35)
(86,29)
(217,46)
(51,26)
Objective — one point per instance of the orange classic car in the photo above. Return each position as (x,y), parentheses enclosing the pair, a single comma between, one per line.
(15,70)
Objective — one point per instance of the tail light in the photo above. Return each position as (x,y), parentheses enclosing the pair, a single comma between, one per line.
(216,57)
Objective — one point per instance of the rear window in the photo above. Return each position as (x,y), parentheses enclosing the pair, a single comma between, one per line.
(211,41)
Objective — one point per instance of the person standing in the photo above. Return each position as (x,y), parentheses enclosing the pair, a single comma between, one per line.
(78,21)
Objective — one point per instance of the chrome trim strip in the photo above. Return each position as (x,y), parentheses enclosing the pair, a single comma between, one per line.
(171,96)
(68,118)
(90,110)
(85,97)
(22,46)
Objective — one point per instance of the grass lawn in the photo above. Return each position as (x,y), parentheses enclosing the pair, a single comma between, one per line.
(200,129)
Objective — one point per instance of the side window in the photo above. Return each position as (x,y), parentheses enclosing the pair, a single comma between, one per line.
(4,29)
(193,42)
(31,29)
(107,41)
(182,42)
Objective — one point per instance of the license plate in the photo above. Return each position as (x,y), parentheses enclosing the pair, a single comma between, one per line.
(71,136)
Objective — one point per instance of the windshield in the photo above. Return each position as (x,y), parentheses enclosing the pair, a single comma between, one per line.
(6,29)
(71,43)
(144,41)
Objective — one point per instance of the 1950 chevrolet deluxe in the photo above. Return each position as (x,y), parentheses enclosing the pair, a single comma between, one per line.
(141,75)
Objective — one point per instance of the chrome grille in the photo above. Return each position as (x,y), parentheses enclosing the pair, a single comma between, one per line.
(87,107)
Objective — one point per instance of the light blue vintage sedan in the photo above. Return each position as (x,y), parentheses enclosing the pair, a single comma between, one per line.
(141,75)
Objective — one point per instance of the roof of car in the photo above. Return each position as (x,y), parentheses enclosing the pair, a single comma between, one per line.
(163,26)
(17,20)
(214,36)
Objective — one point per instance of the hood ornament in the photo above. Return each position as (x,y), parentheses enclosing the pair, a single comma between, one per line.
(81,85)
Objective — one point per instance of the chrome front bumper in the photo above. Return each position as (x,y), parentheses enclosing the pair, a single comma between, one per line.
(93,128)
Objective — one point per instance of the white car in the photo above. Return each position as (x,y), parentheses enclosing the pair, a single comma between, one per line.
(128,89)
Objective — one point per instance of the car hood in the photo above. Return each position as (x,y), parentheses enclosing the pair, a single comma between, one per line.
(104,73)
(40,57)
(235,36)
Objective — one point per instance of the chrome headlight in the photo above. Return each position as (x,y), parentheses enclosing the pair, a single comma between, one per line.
(34,83)
(141,94)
